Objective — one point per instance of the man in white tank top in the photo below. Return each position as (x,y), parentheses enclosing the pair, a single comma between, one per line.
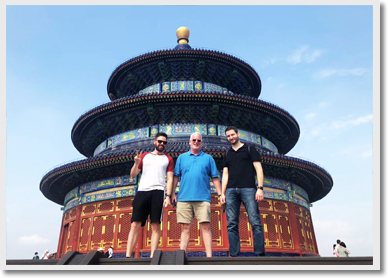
(149,198)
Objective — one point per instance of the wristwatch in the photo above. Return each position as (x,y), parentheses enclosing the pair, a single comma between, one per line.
(260,187)
(168,196)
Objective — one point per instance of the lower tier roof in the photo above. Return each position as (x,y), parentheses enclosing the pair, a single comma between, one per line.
(315,180)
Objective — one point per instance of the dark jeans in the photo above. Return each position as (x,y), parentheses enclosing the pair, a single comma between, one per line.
(234,197)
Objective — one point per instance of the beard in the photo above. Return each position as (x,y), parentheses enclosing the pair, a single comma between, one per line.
(160,148)
(236,140)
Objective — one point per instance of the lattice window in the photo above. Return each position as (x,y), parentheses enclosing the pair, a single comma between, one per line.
(149,233)
(88,209)
(265,205)
(71,236)
(280,206)
(84,234)
(245,230)
(125,204)
(215,226)
(285,231)
(271,228)
(66,217)
(72,213)
(195,238)
(67,239)
(305,213)
(309,236)
(109,230)
(173,229)
(215,200)
(298,210)
(302,237)
(105,207)
(96,237)
(123,230)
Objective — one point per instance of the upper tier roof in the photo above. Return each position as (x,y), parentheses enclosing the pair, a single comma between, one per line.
(138,111)
(183,63)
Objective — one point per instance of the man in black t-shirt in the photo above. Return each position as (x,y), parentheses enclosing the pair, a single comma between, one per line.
(238,185)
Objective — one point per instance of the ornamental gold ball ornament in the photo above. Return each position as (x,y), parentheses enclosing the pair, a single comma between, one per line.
(183,34)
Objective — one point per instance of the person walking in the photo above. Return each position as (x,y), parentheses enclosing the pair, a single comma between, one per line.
(149,198)
(240,164)
(194,169)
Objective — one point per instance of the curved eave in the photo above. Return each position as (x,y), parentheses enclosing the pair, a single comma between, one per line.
(219,58)
(119,163)
(124,105)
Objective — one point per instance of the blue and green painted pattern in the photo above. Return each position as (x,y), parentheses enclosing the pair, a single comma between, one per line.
(107,183)
(126,187)
(180,86)
(71,194)
(125,137)
(180,129)
(90,198)
(183,129)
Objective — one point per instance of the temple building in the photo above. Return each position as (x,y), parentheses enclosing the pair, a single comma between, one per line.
(180,91)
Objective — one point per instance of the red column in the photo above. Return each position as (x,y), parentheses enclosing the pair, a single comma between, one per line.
(61,237)
(313,234)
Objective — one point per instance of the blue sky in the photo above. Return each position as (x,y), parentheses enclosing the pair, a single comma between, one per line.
(316,62)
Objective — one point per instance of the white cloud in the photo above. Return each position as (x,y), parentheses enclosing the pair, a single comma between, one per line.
(341,72)
(32,240)
(349,123)
(269,62)
(312,56)
(325,128)
(367,154)
(309,116)
(323,104)
(303,54)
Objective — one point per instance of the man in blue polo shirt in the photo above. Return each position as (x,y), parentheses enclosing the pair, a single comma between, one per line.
(194,169)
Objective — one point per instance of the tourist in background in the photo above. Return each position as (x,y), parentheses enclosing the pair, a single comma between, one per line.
(334,250)
(46,255)
(101,250)
(36,257)
(194,169)
(110,252)
(149,198)
(240,164)
(342,251)
(336,247)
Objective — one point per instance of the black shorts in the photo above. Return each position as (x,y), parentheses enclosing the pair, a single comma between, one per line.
(148,203)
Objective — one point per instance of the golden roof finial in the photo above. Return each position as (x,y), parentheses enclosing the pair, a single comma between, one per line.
(183,34)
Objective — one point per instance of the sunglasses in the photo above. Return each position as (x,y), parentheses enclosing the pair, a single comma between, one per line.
(195,140)
(160,142)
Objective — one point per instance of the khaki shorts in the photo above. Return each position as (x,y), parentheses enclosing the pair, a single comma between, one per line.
(186,210)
